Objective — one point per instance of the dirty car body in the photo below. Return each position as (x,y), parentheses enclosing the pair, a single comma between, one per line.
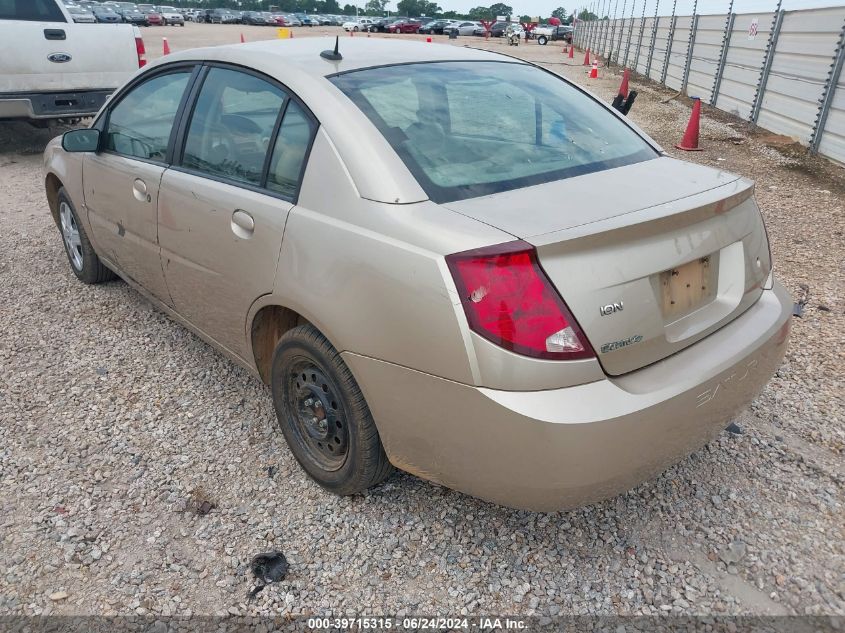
(529,353)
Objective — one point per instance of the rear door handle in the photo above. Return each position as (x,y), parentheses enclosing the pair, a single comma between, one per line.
(139,190)
(54,34)
(242,224)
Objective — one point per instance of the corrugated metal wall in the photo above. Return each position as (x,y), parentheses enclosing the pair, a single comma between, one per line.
(777,69)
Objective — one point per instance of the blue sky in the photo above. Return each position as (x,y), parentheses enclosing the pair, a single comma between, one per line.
(545,7)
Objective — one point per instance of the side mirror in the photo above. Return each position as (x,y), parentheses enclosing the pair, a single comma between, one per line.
(81,140)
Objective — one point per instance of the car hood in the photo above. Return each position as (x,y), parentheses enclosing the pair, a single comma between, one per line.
(563,204)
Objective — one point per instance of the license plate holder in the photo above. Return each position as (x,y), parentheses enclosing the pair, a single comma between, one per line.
(686,288)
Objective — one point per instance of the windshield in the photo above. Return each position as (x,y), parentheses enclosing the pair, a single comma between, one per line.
(467,129)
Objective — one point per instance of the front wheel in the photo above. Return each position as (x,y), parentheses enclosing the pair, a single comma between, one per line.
(355,28)
(83,260)
(323,415)
(542,40)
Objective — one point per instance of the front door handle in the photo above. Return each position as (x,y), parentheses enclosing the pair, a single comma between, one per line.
(139,190)
(242,224)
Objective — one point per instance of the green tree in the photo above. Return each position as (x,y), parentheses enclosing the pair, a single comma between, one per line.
(559,13)
(349,9)
(587,15)
(375,7)
(416,8)
(501,9)
(480,13)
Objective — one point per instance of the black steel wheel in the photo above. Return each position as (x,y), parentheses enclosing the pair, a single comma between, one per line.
(323,414)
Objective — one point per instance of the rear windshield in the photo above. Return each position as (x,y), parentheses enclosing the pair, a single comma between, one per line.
(31,10)
(468,129)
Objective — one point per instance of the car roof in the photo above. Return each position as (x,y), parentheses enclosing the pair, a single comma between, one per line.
(303,55)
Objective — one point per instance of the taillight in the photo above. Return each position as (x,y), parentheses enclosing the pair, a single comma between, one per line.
(141,50)
(509,300)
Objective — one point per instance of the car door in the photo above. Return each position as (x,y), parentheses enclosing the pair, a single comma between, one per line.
(223,208)
(121,182)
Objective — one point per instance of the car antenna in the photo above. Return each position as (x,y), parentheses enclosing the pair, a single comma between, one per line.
(334,55)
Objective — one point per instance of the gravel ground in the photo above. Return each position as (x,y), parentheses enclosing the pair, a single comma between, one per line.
(119,430)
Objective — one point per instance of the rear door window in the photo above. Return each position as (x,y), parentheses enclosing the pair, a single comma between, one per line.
(290,152)
(232,126)
(31,10)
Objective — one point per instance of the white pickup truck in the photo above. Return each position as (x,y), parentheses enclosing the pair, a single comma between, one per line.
(53,68)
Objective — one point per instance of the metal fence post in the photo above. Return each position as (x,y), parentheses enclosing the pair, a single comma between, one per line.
(653,39)
(829,90)
(693,28)
(723,54)
(640,40)
(612,33)
(670,39)
(630,33)
(604,27)
(621,21)
(777,22)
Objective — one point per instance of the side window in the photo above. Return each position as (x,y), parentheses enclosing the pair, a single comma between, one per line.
(289,152)
(139,125)
(232,125)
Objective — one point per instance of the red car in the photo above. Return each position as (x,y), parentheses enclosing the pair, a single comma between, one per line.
(276,20)
(404,27)
(154,19)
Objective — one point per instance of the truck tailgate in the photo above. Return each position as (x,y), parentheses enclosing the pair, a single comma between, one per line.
(61,57)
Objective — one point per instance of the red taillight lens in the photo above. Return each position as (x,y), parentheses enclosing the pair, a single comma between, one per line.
(142,52)
(509,300)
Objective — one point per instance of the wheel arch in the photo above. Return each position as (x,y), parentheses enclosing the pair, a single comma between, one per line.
(52,184)
(267,322)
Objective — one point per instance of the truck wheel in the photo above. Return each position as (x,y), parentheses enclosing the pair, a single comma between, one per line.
(323,415)
(83,260)
(542,40)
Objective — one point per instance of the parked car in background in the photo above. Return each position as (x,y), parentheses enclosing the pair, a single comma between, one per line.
(546,32)
(134,16)
(404,26)
(435,27)
(171,16)
(464,28)
(361,24)
(459,310)
(81,16)
(154,18)
(498,29)
(68,70)
(291,19)
(304,19)
(253,18)
(107,15)
(274,19)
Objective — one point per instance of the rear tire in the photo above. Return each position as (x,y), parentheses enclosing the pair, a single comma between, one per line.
(80,253)
(323,415)
(542,40)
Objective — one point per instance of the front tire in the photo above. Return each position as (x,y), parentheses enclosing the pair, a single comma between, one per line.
(83,260)
(323,415)
(542,40)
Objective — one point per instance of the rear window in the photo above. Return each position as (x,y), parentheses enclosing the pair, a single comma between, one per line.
(468,129)
(31,10)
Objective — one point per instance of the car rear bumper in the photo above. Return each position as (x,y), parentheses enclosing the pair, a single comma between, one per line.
(52,105)
(555,449)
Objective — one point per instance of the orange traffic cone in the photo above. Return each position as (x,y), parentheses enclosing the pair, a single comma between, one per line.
(428,39)
(242,38)
(290,37)
(690,141)
(351,33)
(587,58)
(623,87)
(565,49)
(594,71)
(571,52)
(166,46)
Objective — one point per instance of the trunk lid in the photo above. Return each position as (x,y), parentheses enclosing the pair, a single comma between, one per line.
(647,264)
